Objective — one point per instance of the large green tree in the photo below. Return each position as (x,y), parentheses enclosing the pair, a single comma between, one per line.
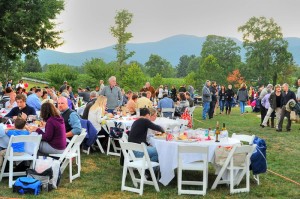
(182,67)
(10,69)
(267,56)
(225,50)
(58,73)
(157,64)
(97,69)
(123,19)
(27,26)
(133,78)
(32,64)
(211,70)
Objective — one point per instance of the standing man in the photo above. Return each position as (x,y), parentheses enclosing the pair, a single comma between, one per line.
(113,94)
(213,91)
(263,110)
(71,118)
(287,95)
(101,82)
(206,99)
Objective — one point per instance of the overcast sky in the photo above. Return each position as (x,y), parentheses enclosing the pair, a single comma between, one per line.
(86,23)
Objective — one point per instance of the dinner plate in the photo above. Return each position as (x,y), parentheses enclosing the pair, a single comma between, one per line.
(159,137)
(188,140)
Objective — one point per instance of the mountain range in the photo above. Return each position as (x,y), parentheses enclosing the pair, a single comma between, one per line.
(171,49)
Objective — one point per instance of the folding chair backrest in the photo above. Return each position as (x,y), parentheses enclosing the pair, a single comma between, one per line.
(68,148)
(191,110)
(244,138)
(129,147)
(168,110)
(193,149)
(36,139)
(77,142)
(244,149)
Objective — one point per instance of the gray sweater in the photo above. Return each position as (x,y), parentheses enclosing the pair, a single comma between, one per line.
(114,96)
(206,95)
(242,95)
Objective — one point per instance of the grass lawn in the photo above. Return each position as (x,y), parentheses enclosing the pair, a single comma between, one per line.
(101,174)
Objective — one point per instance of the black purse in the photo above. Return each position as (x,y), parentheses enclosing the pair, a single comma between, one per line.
(116,131)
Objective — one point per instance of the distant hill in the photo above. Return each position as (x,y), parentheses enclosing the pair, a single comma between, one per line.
(171,49)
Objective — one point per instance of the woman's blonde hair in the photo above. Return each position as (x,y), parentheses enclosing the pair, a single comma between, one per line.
(243,85)
(100,103)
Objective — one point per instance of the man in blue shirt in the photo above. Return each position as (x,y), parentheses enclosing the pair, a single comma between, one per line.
(22,109)
(34,101)
(71,118)
(165,102)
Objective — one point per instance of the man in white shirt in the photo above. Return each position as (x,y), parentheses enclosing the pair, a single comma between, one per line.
(298,91)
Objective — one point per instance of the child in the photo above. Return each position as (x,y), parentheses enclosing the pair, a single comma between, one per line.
(19,130)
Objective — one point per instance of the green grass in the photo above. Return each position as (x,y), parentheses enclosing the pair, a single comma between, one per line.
(101,174)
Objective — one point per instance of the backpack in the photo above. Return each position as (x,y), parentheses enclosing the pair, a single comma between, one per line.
(47,170)
(258,158)
(117,131)
(25,185)
(297,108)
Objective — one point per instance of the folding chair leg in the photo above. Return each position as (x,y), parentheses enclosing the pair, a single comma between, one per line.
(154,179)
(11,172)
(108,146)
(124,178)
(256,178)
(179,180)
(142,182)
(70,170)
(100,146)
(133,178)
(3,168)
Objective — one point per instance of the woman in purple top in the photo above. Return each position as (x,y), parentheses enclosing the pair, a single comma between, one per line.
(54,137)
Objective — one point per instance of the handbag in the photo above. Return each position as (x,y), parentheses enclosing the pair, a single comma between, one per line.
(116,131)
(25,185)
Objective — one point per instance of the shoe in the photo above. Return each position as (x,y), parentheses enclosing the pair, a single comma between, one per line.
(148,175)
(279,130)
(288,130)
(262,126)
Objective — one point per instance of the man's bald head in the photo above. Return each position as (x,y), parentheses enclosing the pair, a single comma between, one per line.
(62,104)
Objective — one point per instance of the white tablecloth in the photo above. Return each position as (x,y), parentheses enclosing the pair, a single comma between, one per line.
(168,155)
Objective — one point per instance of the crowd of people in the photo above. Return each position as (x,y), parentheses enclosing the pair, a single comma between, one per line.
(271,103)
(55,110)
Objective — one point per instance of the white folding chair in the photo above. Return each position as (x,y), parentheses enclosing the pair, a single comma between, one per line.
(193,166)
(249,140)
(34,140)
(72,151)
(167,110)
(191,112)
(141,164)
(240,170)
(111,141)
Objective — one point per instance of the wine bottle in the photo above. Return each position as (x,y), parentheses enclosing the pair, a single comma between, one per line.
(217,132)
(223,128)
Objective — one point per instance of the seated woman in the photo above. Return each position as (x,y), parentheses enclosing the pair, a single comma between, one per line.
(54,136)
(182,104)
(12,101)
(96,113)
(131,104)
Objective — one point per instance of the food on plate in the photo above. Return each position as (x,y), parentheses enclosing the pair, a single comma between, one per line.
(182,137)
(161,135)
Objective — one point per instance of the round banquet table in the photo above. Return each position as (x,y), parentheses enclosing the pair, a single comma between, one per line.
(168,154)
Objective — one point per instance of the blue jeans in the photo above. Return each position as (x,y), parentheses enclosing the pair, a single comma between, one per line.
(151,151)
(221,104)
(206,106)
(110,110)
(242,107)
